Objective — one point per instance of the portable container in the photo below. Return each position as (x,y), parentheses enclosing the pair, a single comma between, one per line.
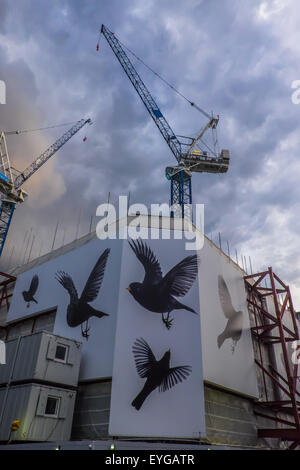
(45,413)
(41,357)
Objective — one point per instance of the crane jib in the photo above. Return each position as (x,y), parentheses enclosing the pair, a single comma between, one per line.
(44,157)
(144,93)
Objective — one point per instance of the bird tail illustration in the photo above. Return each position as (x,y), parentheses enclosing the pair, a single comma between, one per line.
(141,397)
(138,401)
(100,314)
(221,339)
(179,305)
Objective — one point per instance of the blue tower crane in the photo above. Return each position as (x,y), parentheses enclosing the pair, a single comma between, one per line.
(10,186)
(189,159)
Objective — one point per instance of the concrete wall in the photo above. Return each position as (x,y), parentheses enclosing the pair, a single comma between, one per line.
(91,415)
(230,419)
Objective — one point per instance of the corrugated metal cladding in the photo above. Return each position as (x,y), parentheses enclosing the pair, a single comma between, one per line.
(28,403)
(33,357)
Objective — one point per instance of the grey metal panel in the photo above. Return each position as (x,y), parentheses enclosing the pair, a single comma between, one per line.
(2,405)
(15,407)
(23,402)
(27,357)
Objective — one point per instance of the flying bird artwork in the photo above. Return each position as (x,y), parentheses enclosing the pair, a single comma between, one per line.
(79,310)
(28,294)
(158,374)
(234,325)
(157,293)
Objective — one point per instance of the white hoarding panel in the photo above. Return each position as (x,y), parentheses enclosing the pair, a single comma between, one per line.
(157,387)
(228,355)
(83,285)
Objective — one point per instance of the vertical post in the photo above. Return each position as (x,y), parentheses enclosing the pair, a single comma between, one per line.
(78,224)
(28,259)
(228,248)
(54,237)
(172,195)
(181,193)
(190,198)
(250,265)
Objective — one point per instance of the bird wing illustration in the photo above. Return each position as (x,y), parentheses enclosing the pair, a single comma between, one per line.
(174,375)
(66,281)
(143,356)
(33,285)
(225,298)
(151,264)
(94,281)
(180,278)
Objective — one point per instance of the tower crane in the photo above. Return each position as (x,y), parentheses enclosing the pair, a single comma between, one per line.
(11,192)
(189,159)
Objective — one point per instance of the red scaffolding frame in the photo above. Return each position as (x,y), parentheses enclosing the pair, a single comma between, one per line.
(4,289)
(272,329)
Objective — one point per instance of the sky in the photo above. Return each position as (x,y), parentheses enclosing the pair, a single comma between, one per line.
(235,58)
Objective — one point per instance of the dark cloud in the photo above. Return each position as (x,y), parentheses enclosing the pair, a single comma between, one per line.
(228,56)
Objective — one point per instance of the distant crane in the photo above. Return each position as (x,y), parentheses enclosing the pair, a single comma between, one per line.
(10,184)
(189,158)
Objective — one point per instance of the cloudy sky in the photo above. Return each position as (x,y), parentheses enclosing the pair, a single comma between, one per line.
(235,57)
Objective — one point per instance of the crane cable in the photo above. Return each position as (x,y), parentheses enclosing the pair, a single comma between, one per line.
(39,129)
(162,79)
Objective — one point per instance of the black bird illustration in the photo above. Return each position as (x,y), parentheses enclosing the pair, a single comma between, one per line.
(79,310)
(28,294)
(158,373)
(156,293)
(234,325)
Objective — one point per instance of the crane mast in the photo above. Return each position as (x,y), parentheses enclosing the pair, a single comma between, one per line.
(10,187)
(188,159)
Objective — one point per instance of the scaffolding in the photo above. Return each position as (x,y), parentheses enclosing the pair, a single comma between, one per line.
(5,290)
(271,328)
